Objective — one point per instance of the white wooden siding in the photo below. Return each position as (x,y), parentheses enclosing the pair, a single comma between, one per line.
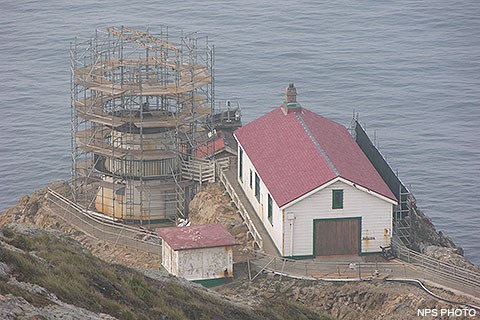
(376,217)
(274,229)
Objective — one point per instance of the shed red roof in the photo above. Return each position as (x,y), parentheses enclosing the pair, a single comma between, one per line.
(297,152)
(196,237)
(212,146)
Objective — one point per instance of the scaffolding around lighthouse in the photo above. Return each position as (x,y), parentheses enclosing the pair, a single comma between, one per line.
(142,102)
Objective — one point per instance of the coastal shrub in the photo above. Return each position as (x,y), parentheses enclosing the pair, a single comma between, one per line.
(7,232)
(22,242)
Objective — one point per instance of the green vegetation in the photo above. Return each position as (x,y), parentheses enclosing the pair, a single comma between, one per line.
(74,275)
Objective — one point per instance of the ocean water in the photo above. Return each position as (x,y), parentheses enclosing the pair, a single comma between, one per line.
(410,68)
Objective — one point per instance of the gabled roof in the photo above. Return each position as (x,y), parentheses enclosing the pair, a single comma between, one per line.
(297,152)
(196,237)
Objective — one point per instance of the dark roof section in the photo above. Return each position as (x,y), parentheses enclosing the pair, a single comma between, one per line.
(297,152)
(196,237)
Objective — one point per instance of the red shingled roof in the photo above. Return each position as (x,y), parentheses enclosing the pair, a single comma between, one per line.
(212,146)
(297,152)
(196,237)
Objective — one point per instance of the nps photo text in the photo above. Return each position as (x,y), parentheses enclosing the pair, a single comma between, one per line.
(454,312)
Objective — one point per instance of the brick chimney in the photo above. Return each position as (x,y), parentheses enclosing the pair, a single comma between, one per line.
(290,94)
(291,104)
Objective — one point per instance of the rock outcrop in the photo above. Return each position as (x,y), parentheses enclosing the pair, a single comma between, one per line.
(451,256)
(426,239)
(33,209)
(425,234)
(212,205)
(13,307)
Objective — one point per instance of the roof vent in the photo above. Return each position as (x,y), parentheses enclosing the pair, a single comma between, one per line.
(291,104)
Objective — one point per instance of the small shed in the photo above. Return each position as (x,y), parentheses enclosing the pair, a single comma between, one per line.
(200,253)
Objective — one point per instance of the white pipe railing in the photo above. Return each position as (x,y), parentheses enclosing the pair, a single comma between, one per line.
(241,209)
(316,269)
(440,272)
(111,231)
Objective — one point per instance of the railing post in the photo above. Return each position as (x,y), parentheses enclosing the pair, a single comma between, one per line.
(214,170)
(423,266)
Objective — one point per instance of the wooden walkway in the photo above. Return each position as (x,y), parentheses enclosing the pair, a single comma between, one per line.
(267,244)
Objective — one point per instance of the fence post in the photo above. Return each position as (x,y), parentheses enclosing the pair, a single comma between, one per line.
(283,268)
(423,266)
(214,170)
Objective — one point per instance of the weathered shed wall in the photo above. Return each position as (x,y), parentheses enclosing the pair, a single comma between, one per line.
(205,263)
(198,264)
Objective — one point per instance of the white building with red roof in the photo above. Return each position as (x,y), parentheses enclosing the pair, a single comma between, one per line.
(311,185)
(201,253)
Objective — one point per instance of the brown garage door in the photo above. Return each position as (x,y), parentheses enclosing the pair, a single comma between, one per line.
(337,237)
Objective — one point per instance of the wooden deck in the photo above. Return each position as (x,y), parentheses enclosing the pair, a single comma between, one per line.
(92,77)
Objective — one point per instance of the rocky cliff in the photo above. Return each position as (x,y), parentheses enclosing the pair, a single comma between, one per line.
(426,239)
(31,262)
